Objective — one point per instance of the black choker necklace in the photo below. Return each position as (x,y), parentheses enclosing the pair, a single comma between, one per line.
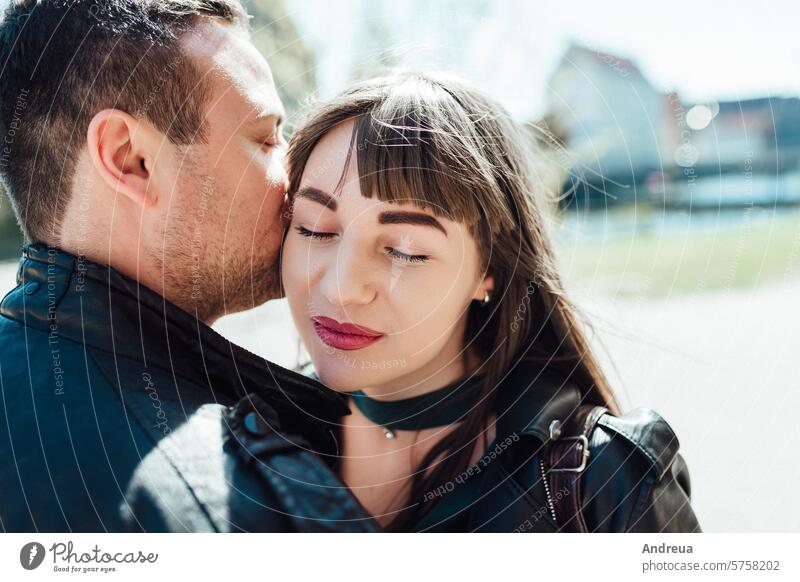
(441,407)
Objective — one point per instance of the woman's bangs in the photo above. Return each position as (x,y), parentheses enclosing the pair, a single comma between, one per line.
(399,160)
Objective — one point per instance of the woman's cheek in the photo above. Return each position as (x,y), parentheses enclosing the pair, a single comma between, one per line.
(293,269)
(415,305)
(303,266)
(433,304)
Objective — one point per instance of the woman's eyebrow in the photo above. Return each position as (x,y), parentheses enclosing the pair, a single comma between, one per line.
(387,217)
(406,217)
(318,196)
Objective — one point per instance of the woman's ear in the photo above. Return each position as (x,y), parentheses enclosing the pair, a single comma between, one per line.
(119,146)
(486,287)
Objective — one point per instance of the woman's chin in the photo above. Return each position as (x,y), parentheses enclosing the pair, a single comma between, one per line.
(342,376)
(349,371)
(337,375)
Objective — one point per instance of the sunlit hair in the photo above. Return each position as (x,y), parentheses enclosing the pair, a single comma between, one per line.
(440,144)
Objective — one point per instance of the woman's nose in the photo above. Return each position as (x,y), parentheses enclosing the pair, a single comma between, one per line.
(347,280)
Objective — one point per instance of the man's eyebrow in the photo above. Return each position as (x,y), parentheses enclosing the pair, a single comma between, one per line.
(318,196)
(407,217)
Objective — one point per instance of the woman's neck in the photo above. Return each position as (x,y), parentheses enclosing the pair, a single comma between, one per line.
(379,469)
(429,378)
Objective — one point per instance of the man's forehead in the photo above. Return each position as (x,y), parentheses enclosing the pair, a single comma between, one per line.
(225,53)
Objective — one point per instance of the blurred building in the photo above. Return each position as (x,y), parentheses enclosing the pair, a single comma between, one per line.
(630,142)
(765,130)
(612,119)
(738,153)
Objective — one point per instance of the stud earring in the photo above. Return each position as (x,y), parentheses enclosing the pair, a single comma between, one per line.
(487,298)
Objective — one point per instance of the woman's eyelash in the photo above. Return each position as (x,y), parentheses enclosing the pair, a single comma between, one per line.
(394,253)
(302,231)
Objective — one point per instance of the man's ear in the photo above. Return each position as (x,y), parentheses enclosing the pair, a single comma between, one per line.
(120,148)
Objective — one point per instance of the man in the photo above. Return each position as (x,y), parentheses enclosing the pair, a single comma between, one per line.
(142,153)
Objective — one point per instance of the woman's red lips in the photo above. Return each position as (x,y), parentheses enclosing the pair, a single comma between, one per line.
(344,336)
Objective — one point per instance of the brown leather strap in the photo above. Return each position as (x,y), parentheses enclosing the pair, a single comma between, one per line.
(566,461)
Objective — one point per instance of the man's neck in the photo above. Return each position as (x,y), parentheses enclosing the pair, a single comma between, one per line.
(135,263)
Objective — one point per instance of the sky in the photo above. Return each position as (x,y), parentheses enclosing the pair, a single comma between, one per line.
(704,50)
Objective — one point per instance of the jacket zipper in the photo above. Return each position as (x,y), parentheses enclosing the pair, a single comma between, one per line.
(547,491)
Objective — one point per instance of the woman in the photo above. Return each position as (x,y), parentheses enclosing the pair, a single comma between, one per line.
(423,284)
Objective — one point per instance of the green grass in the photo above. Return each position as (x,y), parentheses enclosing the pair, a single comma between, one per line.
(758,249)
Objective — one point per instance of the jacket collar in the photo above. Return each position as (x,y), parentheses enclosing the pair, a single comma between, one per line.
(530,397)
(95,305)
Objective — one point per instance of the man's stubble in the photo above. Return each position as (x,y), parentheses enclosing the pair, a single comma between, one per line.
(205,272)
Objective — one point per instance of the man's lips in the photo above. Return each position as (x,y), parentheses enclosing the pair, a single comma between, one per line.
(344,336)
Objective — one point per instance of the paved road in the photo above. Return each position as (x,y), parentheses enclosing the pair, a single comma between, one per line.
(722,368)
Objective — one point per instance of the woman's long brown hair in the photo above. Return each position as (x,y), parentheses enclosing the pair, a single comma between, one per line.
(439,143)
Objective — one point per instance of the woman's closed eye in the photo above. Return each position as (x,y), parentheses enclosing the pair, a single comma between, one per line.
(404,257)
(392,252)
(303,231)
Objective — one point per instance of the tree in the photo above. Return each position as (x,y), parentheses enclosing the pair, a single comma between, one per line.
(292,62)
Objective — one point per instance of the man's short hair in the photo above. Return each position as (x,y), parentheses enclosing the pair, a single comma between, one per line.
(62,61)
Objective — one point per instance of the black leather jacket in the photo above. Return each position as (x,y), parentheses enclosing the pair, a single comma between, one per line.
(120,412)
(635,479)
